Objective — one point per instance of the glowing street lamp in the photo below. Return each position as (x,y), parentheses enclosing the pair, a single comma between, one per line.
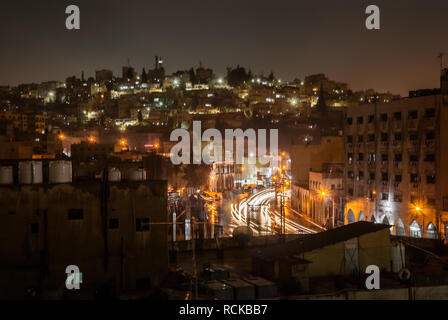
(91,139)
(61,136)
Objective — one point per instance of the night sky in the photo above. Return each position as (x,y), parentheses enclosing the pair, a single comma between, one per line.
(291,38)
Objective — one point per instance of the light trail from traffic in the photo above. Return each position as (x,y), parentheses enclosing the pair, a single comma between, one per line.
(260,201)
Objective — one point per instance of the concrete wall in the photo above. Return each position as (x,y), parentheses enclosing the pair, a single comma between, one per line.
(37,235)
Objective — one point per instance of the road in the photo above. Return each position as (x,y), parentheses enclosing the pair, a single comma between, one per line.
(264,217)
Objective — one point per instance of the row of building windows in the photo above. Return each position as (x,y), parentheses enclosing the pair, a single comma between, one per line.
(413,177)
(429,135)
(141,224)
(412,114)
(397,197)
(397,157)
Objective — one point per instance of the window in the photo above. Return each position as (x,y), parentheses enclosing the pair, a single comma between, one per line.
(430,179)
(431,202)
(142,224)
(398,157)
(384,137)
(34,227)
(430,157)
(397,137)
(350,174)
(397,115)
(371,118)
(360,156)
(349,139)
(113,223)
(430,135)
(360,120)
(371,157)
(398,178)
(372,176)
(398,198)
(430,113)
(361,175)
(413,157)
(75,214)
(383,117)
(414,178)
(413,137)
(413,114)
(360,138)
(349,121)
(384,176)
(350,157)
(384,196)
(384,157)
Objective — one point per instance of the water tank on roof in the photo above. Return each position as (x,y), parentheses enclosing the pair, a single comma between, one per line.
(30,172)
(6,176)
(60,171)
(137,174)
(114,175)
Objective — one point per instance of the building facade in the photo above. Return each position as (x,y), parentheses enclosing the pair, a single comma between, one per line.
(396,165)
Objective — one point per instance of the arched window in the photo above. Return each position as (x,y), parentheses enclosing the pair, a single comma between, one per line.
(351,216)
(361,216)
(431,233)
(414,230)
(399,228)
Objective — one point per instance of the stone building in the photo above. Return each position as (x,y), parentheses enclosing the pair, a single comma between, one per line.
(396,165)
(114,233)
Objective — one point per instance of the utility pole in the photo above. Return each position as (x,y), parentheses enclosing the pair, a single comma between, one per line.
(440,56)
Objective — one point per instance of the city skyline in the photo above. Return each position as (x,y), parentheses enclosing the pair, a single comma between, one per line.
(330,38)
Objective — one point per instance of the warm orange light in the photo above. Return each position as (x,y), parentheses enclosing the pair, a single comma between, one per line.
(283,154)
(417,208)
(323,193)
(284,167)
(123,142)
(91,139)
(61,137)
(156,146)
(102,96)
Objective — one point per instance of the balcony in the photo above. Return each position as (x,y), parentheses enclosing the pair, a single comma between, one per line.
(430,123)
(398,125)
(412,124)
(429,145)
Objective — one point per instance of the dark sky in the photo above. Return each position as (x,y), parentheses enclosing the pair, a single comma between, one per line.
(292,38)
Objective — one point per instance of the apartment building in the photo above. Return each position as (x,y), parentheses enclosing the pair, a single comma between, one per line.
(396,165)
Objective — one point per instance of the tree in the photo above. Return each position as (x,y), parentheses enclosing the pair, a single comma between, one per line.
(192,76)
(237,77)
(144,76)
(140,116)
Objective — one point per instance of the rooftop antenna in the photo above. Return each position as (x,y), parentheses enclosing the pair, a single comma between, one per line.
(440,56)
